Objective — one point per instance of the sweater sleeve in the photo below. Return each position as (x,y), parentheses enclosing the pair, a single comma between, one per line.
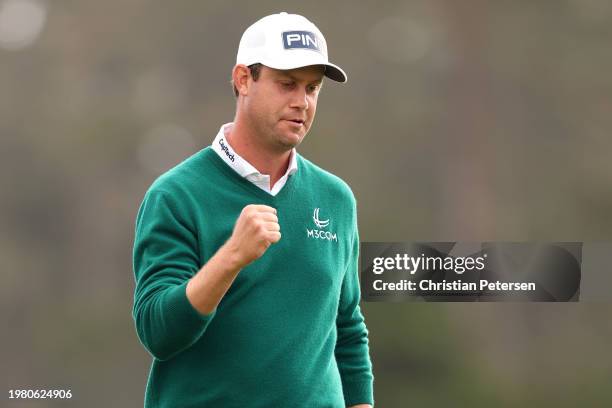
(165,257)
(352,351)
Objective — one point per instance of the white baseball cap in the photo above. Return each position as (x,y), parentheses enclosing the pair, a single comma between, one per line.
(286,41)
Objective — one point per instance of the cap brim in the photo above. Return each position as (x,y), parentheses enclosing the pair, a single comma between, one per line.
(335,72)
(332,71)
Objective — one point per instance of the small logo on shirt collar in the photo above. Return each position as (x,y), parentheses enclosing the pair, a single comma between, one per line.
(225,149)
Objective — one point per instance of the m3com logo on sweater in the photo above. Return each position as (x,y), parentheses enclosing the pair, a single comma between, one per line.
(320,233)
(319,223)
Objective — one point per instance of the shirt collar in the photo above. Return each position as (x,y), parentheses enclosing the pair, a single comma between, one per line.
(238,163)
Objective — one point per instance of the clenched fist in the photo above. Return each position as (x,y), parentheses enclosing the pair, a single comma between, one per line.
(255,230)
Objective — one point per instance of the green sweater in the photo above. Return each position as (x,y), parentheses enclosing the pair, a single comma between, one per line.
(289,332)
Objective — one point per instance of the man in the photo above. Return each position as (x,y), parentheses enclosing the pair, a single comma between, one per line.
(246,254)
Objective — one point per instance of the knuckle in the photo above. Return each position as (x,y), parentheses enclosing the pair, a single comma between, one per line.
(252,215)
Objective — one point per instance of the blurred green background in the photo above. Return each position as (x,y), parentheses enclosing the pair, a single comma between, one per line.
(462,120)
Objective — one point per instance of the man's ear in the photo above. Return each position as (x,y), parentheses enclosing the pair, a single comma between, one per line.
(240,77)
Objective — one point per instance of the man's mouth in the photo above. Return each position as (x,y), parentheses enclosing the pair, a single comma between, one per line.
(296,121)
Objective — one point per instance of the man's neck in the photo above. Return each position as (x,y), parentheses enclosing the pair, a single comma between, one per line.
(272,163)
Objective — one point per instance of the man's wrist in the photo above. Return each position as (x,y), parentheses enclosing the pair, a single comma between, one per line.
(231,257)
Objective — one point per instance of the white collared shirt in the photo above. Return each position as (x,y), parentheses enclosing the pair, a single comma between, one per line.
(246,169)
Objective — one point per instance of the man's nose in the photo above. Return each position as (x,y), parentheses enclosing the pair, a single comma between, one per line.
(300,99)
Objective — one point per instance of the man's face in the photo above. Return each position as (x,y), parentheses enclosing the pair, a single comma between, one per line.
(281,104)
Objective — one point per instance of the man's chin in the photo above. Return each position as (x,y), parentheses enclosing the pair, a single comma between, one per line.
(291,139)
(288,145)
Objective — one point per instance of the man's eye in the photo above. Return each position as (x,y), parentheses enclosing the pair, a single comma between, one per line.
(287,84)
(313,88)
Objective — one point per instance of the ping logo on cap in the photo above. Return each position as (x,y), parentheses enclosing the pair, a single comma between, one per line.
(300,39)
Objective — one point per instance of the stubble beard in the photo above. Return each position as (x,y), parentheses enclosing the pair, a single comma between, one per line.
(290,142)
(276,139)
